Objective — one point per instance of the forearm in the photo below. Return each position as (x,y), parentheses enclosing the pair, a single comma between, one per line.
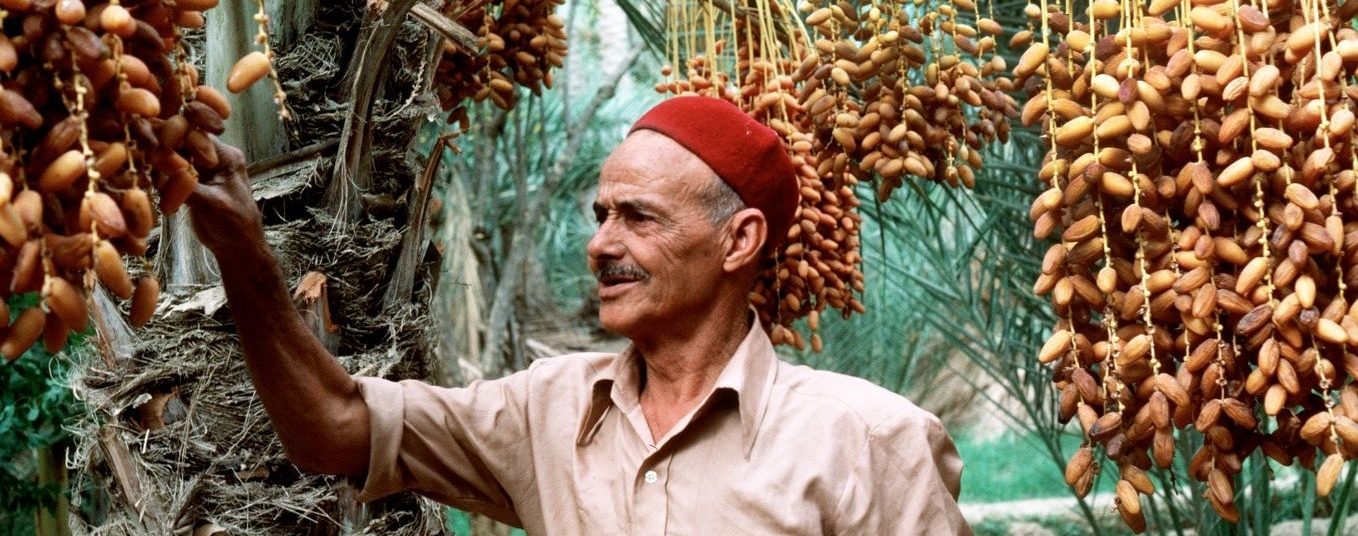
(313,402)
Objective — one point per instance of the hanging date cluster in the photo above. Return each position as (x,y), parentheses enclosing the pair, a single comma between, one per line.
(904,91)
(1200,192)
(522,40)
(98,109)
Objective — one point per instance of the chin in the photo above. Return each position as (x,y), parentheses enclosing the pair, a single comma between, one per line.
(619,320)
(612,321)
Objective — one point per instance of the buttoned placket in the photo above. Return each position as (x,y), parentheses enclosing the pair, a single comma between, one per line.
(650,500)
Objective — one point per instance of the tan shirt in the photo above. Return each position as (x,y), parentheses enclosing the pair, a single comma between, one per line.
(563,448)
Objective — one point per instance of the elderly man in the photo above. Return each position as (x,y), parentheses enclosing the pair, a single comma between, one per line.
(696,428)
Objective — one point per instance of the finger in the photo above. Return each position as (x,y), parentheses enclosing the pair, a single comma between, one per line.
(230,165)
(229,157)
(210,175)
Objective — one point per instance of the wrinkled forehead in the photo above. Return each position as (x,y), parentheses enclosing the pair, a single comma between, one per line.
(651,162)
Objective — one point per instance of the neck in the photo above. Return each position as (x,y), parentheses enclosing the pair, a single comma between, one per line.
(681,367)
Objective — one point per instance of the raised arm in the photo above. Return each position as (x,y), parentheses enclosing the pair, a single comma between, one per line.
(315,405)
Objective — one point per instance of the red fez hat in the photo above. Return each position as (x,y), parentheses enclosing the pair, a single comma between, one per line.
(747,155)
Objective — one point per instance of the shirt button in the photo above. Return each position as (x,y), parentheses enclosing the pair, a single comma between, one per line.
(651,477)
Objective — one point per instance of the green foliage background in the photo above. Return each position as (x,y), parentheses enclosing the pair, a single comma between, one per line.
(35,406)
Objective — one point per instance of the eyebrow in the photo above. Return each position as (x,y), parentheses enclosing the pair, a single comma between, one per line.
(629,205)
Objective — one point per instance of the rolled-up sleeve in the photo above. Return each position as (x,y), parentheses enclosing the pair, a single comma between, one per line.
(906,482)
(466,447)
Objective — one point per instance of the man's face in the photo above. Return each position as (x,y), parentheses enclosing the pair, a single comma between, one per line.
(657,255)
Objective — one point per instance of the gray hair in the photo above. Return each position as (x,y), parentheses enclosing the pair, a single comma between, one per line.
(721,201)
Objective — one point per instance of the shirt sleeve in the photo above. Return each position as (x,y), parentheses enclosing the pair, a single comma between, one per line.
(466,447)
(906,482)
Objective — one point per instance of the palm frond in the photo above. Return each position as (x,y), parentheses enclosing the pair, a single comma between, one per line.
(648,19)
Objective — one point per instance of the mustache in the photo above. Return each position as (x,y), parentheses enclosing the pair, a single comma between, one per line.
(615,270)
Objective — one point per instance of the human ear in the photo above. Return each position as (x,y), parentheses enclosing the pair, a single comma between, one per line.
(747,231)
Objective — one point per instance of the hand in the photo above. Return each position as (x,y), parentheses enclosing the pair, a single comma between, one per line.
(222,210)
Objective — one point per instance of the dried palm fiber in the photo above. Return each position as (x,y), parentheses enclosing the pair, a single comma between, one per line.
(1200,181)
(216,459)
(875,93)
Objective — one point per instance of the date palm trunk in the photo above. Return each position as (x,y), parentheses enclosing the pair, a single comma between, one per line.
(174,430)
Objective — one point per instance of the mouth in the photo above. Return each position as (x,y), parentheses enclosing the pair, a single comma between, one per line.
(615,287)
(614,277)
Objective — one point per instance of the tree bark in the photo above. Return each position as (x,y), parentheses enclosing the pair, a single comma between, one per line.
(352,173)
(414,241)
(461,37)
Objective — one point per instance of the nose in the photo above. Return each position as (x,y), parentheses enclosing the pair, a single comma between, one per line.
(604,244)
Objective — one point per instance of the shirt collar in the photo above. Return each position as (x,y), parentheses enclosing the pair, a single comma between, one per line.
(749,374)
